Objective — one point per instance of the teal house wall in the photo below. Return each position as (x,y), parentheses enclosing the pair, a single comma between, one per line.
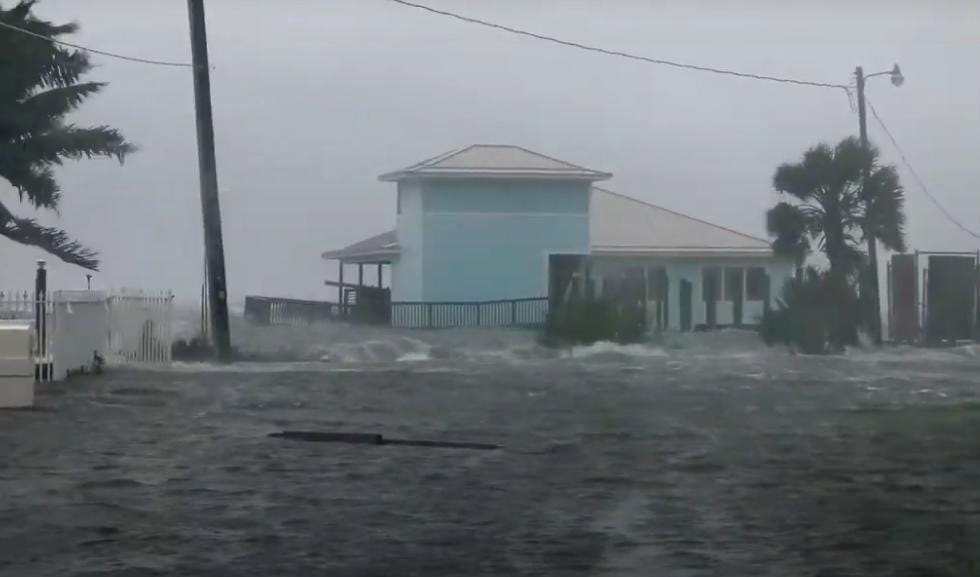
(490,239)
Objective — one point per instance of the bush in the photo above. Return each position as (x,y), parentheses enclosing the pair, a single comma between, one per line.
(814,315)
(194,349)
(590,321)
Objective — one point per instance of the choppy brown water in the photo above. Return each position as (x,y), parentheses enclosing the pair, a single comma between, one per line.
(635,461)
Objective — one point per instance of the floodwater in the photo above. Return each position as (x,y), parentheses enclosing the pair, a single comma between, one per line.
(699,455)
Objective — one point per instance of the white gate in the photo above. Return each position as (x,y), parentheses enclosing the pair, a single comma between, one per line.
(140,328)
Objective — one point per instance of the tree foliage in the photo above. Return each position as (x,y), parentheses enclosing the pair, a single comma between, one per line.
(39,86)
(583,321)
(800,317)
(830,206)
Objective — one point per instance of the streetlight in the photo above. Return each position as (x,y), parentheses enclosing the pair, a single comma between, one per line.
(897,79)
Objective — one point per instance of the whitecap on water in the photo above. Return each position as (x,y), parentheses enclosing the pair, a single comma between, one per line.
(614,350)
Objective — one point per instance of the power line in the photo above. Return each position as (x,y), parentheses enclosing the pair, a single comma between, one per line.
(618,53)
(93,50)
(916,176)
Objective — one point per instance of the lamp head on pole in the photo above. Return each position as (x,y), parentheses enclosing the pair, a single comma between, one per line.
(897,78)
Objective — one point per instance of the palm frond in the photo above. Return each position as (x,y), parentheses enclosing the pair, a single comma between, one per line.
(52,240)
(36,183)
(790,226)
(885,210)
(75,143)
(795,180)
(847,169)
(39,86)
(39,63)
(43,110)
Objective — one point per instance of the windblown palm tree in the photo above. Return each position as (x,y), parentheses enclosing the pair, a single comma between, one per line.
(39,86)
(831,208)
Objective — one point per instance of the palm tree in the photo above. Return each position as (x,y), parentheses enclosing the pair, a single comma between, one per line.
(830,207)
(39,86)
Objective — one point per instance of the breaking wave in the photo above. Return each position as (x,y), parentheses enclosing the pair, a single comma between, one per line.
(337,345)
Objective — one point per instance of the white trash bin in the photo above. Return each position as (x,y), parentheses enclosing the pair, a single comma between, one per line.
(16,365)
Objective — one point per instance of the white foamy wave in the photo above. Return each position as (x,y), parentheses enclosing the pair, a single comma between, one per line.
(337,345)
(248,367)
(614,350)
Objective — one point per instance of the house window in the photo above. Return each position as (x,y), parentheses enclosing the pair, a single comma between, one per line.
(711,283)
(656,284)
(755,283)
(733,283)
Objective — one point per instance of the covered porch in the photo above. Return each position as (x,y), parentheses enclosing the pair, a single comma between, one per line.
(361,273)
(676,291)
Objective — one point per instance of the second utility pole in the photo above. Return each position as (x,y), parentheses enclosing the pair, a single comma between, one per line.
(214,251)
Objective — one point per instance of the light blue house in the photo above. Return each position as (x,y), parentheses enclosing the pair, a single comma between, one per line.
(492,222)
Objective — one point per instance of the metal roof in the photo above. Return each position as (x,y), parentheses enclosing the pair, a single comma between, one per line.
(378,248)
(620,224)
(495,161)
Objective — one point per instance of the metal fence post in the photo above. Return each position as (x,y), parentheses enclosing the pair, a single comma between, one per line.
(41,319)
(889,289)
(513,313)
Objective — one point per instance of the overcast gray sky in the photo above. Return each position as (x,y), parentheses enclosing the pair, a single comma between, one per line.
(314,98)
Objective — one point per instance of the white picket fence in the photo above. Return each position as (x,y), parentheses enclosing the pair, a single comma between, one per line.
(140,328)
(74,330)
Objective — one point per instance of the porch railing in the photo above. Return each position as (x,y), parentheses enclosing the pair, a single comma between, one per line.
(282,311)
(527,312)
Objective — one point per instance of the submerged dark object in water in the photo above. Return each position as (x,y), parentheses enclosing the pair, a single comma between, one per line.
(376,439)
(323,437)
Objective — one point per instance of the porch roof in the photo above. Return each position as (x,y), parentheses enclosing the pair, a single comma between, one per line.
(381,248)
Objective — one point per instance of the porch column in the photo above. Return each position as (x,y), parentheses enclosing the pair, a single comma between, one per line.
(379,274)
(340,290)
(360,274)
(588,291)
(674,277)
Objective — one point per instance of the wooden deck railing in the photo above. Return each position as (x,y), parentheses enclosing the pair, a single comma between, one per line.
(501,313)
(280,311)
(528,312)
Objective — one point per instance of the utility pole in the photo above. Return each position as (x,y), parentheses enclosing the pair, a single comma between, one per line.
(872,282)
(214,252)
(872,277)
